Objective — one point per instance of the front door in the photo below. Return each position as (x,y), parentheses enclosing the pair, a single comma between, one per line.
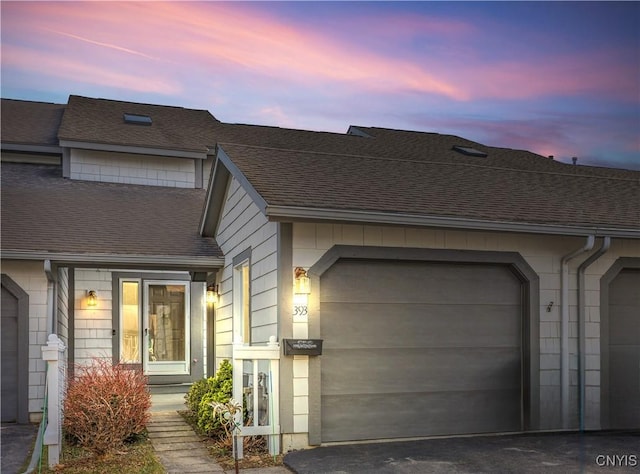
(166,327)
(155,322)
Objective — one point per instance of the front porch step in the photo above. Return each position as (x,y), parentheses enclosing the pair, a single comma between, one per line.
(170,388)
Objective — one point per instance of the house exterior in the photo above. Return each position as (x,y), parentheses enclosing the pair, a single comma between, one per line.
(93,203)
(454,288)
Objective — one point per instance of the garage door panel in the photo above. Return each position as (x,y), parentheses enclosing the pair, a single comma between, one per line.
(624,350)
(417,414)
(626,289)
(9,365)
(427,370)
(419,348)
(353,281)
(418,325)
(625,327)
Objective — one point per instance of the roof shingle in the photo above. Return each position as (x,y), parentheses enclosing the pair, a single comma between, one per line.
(101,121)
(30,123)
(41,211)
(420,174)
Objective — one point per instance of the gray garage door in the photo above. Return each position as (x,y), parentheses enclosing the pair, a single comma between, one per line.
(9,330)
(624,350)
(419,348)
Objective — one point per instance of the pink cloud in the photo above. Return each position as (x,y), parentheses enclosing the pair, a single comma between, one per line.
(82,41)
(76,70)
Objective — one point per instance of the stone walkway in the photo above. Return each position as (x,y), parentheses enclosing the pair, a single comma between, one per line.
(178,448)
(181,451)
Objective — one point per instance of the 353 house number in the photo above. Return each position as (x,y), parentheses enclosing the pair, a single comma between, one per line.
(300,311)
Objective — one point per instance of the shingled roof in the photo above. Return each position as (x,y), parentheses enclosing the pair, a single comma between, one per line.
(30,123)
(45,214)
(385,174)
(101,122)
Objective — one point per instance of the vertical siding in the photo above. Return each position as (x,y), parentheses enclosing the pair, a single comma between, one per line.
(243,226)
(543,254)
(30,276)
(128,168)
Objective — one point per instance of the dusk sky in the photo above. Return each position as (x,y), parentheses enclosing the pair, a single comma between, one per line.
(556,78)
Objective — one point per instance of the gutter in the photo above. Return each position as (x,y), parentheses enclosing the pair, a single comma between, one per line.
(606,243)
(288,213)
(146,261)
(564,327)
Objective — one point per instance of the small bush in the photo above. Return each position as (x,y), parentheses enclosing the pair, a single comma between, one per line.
(106,405)
(214,389)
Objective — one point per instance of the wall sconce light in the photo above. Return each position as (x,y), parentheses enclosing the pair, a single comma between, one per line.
(92,298)
(212,294)
(302,284)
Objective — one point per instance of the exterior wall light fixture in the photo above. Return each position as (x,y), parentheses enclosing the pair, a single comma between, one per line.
(302,283)
(212,294)
(92,298)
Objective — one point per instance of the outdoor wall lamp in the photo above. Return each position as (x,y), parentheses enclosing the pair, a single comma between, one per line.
(212,294)
(92,298)
(302,284)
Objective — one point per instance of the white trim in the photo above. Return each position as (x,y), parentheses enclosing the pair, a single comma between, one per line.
(201,155)
(242,179)
(166,367)
(238,307)
(49,149)
(164,261)
(121,317)
(277,213)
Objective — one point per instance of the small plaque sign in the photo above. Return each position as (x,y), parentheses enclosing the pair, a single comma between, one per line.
(311,347)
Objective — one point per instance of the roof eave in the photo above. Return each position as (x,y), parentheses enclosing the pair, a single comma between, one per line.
(32,148)
(280,213)
(167,262)
(224,168)
(191,154)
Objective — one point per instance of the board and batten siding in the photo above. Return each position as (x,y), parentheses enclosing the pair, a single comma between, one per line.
(127,168)
(242,226)
(542,253)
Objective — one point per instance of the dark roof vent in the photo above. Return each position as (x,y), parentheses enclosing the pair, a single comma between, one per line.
(465,150)
(137,119)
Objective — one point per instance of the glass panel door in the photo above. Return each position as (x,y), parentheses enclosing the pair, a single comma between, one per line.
(130,316)
(166,327)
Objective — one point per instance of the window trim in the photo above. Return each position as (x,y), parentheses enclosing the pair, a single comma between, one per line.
(242,322)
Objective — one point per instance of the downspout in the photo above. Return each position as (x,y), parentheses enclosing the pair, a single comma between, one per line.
(51,297)
(564,328)
(606,243)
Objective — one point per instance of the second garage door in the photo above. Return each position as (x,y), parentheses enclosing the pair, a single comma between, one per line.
(419,348)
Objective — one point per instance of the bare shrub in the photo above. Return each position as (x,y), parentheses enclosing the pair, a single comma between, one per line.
(106,405)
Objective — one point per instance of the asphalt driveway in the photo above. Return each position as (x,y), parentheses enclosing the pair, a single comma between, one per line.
(16,442)
(599,452)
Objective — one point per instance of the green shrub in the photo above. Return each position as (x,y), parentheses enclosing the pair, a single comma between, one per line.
(106,405)
(195,394)
(214,389)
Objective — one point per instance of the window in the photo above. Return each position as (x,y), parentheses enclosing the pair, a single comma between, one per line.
(465,150)
(130,343)
(154,321)
(137,119)
(242,302)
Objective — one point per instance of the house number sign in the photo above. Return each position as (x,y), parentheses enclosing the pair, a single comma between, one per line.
(300,310)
